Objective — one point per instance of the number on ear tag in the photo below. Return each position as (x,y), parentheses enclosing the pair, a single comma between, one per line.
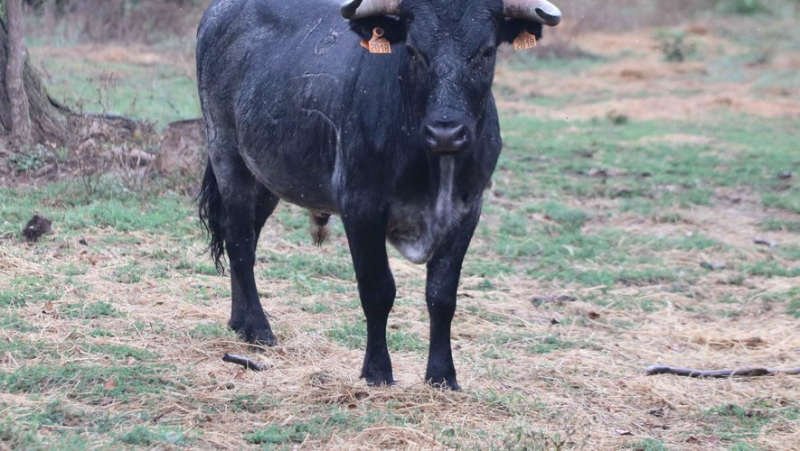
(524,41)
(378,44)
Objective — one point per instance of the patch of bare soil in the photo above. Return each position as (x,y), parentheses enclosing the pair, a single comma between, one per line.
(133,150)
(636,81)
(134,54)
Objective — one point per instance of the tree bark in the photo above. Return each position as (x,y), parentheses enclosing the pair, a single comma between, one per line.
(20,108)
(47,121)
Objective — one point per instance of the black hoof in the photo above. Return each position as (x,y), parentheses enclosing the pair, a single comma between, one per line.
(449,383)
(377,377)
(259,335)
(379,381)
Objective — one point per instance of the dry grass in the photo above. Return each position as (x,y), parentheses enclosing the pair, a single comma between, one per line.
(591,394)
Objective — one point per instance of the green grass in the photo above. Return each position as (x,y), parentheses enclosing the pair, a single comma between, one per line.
(322,426)
(211,331)
(75,216)
(159,93)
(772,225)
(120,352)
(70,427)
(88,382)
(693,171)
(650,445)
(734,423)
(12,321)
(793,308)
(89,311)
(144,436)
(28,290)
(353,335)
(530,343)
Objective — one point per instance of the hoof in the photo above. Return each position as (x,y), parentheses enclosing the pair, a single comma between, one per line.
(257,335)
(378,378)
(379,381)
(447,383)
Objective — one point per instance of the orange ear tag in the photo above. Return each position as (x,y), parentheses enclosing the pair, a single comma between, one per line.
(378,44)
(524,41)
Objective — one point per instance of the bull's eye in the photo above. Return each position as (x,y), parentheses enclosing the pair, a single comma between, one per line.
(489,53)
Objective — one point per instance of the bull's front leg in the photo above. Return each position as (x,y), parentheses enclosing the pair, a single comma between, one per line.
(444,273)
(366,234)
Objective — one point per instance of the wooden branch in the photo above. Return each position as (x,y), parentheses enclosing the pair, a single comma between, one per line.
(243,361)
(742,372)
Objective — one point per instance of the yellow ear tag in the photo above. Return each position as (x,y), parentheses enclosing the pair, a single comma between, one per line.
(378,44)
(524,41)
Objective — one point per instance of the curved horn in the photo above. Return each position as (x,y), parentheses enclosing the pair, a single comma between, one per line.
(537,10)
(359,9)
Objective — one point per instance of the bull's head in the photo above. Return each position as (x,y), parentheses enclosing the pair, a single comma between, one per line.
(450,48)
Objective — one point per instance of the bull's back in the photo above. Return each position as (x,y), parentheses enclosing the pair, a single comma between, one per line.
(239,40)
(274,76)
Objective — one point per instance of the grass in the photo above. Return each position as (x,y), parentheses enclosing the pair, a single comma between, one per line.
(353,335)
(159,92)
(113,325)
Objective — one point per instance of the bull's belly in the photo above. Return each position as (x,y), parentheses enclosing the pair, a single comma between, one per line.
(307,186)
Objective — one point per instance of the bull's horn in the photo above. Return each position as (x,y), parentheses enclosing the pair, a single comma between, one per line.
(537,10)
(359,9)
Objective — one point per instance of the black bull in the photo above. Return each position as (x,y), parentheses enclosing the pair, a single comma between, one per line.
(401,146)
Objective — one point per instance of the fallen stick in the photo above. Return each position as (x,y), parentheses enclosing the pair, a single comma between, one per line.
(742,372)
(243,361)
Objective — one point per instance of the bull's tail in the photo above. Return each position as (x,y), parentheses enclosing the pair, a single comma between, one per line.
(212,215)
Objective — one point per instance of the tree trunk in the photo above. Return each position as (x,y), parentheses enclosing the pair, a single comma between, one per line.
(46,120)
(20,109)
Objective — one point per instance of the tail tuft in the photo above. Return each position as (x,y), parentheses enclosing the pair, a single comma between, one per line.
(319,227)
(212,216)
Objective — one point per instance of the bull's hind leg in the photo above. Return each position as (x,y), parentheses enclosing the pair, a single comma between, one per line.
(246,207)
(444,272)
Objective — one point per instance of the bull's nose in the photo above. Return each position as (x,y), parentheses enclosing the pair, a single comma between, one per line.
(446,138)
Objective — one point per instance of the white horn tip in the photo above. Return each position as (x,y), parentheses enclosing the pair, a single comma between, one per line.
(550,16)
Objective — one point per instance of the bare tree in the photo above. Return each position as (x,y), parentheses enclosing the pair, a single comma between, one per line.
(20,108)
(27,113)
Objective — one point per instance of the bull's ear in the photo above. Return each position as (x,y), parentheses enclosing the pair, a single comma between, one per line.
(512,28)
(393,28)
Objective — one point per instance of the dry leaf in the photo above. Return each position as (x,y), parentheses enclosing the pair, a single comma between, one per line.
(110,385)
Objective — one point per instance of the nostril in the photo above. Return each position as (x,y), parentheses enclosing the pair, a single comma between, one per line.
(460,134)
(431,135)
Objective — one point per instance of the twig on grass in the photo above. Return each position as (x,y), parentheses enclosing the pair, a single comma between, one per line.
(243,361)
(742,372)
(764,242)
